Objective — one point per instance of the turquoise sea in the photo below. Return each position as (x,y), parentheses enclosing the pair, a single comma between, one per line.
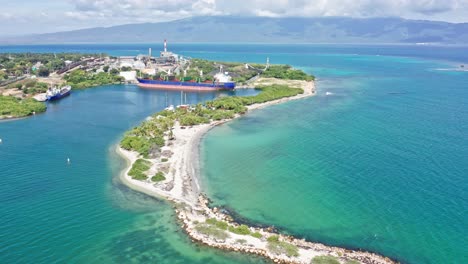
(378,163)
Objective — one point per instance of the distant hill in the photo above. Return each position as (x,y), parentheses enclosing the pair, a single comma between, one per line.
(264,29)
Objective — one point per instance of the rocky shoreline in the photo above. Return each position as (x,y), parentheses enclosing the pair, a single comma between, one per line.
(186,216)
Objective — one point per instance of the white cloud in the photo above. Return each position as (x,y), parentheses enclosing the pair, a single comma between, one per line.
(5,16)
(355,8)
(55,15)
(453,10)
(114,12)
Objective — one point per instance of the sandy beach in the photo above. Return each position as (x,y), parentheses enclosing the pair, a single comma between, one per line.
(182,186)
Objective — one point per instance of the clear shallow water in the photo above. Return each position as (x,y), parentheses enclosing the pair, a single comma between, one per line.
(380,164)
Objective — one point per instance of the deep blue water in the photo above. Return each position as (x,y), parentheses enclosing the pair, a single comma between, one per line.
(247,52)
(379,164)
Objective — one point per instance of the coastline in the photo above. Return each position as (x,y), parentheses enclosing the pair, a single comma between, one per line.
(7,119)
(182,187)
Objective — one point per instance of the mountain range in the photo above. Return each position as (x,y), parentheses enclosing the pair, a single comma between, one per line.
(264,29)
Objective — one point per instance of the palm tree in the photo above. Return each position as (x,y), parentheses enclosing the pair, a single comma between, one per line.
(171,134)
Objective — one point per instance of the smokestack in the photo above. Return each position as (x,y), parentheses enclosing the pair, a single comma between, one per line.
(165,46)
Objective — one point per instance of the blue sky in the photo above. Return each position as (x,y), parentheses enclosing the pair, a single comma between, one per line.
(35,16)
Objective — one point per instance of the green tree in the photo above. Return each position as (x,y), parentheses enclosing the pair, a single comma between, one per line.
(43,72)
(55,64)
(18,72)
(9,65)
(114,71)
(3,75)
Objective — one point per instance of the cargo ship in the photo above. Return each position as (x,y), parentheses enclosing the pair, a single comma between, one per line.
(56,93)
(167,64)
(222,81)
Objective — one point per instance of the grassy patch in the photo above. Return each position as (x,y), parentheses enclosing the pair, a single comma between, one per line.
(241,241)
(280,247)
(273,238)
(158,177)
(211,231)
(352,261)
(219,224)
(325,260)
(240,230)
(139,168)
(164,160)
(256,235)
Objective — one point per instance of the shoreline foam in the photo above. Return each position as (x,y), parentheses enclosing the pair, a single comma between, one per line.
(182,187)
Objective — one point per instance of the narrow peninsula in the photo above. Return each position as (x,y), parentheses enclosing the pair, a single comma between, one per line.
(163,161)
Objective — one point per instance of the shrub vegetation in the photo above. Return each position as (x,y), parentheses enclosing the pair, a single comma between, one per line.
(139,168)
(212,231)
(240,230)
(286,72)
(148,136)
(325,260)
(80,79)
(281,247)
(29,86)
(158,177)
(256,235)
(13,107)
(241,241)
(219,224)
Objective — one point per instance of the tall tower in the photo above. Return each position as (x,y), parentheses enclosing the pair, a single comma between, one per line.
(165,46)
(149,53)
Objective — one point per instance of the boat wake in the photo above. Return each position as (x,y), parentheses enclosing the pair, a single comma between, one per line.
(456,69)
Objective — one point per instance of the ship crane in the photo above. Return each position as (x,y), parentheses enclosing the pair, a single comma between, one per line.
(167,73)
(267,65)
(248,66)
(149,63)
